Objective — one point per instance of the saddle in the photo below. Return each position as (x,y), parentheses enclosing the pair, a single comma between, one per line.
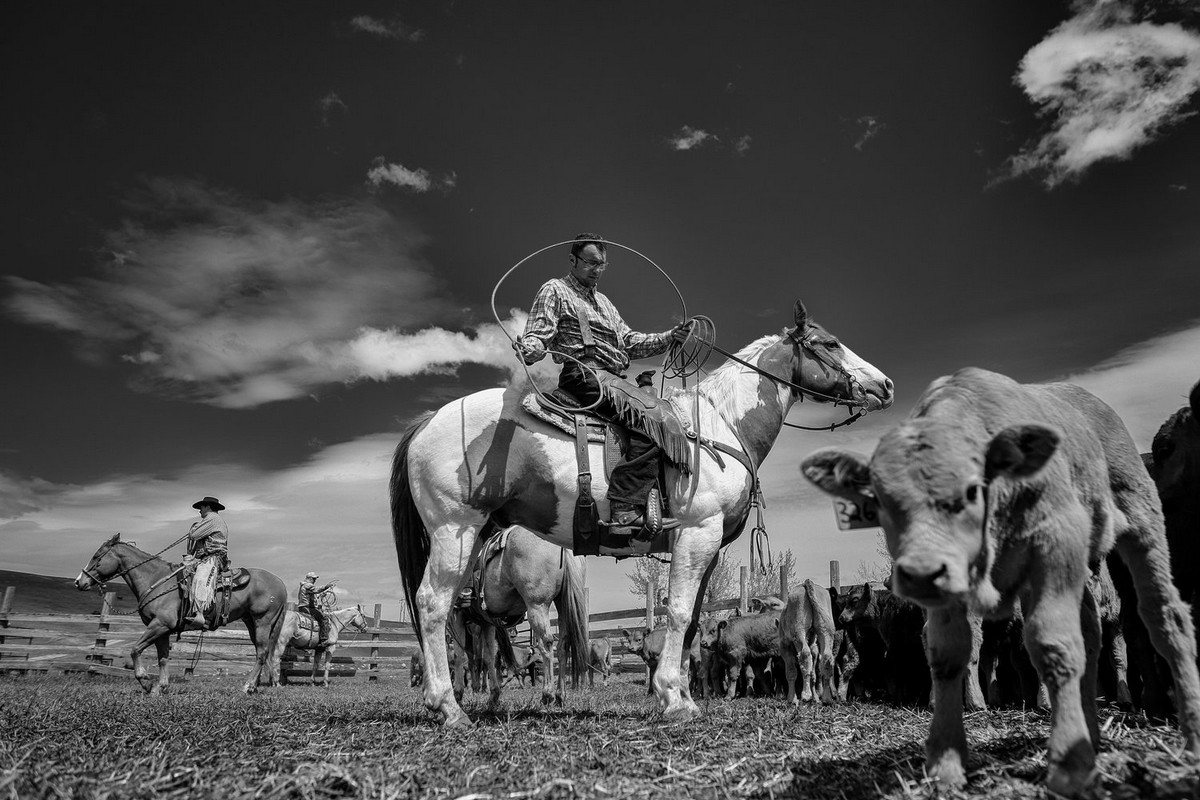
(636,408)
(217,615)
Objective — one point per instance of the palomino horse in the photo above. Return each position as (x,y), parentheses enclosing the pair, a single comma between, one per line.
(522,574)
(300,632)
(481,458)
(157,585)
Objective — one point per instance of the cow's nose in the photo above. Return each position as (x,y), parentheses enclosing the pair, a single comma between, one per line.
(919,582)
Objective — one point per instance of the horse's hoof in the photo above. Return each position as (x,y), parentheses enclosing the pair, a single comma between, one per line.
(458,721)
(682,712)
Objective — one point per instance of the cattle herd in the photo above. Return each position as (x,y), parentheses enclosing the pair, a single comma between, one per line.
(1038,562)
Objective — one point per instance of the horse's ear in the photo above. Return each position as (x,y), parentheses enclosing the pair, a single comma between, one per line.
(116,537)
(800,315)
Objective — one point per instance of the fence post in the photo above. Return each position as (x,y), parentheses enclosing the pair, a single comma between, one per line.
(651,601)
(835,581)
(373,666)
(783,582)
(5,608)
(744,601)
(102,631)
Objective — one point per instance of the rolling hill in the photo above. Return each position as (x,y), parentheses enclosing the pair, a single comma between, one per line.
(44,594)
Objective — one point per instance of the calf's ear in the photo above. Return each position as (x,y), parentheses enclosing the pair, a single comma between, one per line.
(1019,451)
(839,472)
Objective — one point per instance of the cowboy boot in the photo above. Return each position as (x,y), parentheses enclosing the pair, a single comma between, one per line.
(323,633)
(654,522)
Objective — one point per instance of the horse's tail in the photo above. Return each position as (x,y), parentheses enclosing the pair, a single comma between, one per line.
(408,529)
(572,617)
(276,647)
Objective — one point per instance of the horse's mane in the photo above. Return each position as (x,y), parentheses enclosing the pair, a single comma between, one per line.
(721,385)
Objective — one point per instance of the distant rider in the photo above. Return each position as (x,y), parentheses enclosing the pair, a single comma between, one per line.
(310,600)
(207,555)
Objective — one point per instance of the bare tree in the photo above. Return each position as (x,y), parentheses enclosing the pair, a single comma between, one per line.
(763,582)
(879,570)
(722,583)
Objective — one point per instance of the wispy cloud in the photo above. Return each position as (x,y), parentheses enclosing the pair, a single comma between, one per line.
(418,180)
(387,29)
(689,138)
(235,302)
(328,105)
(1107,84)
(868,128)
(741,145)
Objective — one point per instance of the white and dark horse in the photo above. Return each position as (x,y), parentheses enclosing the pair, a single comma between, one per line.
(301,632)
(481,461)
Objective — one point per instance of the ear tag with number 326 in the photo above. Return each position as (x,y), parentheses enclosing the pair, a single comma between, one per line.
(852,514)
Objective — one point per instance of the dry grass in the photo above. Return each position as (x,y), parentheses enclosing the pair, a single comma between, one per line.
(102,738)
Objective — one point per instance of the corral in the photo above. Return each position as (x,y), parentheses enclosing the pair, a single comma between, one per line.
(368,735)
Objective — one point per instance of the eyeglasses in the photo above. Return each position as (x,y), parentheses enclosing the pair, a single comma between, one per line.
(590,263)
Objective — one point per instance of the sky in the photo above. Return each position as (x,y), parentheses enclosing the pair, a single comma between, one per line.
(247,244)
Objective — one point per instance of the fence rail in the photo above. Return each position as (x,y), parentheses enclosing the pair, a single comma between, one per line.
(100,643)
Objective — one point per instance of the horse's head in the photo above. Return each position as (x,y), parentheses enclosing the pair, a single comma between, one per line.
(359,620)
(103,565)
(828,371)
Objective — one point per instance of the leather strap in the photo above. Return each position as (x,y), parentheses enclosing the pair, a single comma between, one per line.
(586,524)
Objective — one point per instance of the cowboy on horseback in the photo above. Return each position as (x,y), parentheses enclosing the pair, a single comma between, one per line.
(207,555)
(310,600)
(586,334)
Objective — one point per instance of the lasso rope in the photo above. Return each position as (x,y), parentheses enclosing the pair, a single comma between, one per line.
(513,339)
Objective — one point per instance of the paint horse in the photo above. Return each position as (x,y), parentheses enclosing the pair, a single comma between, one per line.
(520,574)
(300,631)
(481,461)
(259,600)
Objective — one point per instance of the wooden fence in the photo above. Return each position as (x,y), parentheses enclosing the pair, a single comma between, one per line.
(100,643)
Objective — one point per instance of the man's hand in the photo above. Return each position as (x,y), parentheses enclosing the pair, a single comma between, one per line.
(527,354)
(681,331)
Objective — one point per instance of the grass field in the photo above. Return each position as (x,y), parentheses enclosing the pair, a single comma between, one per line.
(103,738)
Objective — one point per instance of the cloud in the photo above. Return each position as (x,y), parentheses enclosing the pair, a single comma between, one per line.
(236,302)
(417,180)
(741,144)
(689,138)
(869,127)
(390,29)
(1148,382)
(328,104)
(1107,84)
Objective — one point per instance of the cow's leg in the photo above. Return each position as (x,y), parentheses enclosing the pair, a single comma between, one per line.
(451,550)
(1114,645)
(1056,644)
(1089,683)
(791,668)
(1168,621)
(825,665)
(491,647)
(692,557)
(973,699)
(948,650)
(544,645)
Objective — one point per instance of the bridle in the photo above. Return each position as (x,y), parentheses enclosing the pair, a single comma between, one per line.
(100,581)
(804,343)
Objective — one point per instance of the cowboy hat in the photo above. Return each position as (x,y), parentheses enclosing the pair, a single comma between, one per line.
(213,502)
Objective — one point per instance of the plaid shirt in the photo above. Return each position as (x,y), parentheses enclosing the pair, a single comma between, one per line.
(554,325)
